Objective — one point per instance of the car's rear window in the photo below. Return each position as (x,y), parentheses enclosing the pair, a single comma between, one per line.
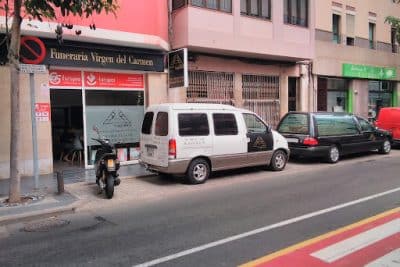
(193,124)
(331,125)
(147,122)
(294,124)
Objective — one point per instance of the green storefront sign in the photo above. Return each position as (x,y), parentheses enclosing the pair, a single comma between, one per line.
(368,72)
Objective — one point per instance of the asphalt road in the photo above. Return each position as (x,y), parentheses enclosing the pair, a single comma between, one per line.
(234,218)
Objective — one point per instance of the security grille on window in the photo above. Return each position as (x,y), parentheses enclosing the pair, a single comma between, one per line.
(261,95)
(296,12)
(210,87)
(222,5)
(257,8)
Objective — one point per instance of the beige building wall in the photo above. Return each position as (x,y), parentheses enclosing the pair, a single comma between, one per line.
(381,8)
(156,88)
(43,128)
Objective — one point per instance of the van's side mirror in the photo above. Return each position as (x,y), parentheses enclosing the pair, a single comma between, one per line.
(269,128)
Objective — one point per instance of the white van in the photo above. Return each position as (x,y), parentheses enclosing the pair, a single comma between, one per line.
(195,139)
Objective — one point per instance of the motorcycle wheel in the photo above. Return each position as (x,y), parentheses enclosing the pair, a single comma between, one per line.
(109,186)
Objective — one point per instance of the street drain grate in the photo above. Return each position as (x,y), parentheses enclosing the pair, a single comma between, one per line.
(45,225)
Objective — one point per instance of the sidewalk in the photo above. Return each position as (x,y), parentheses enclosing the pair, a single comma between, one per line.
(45,201)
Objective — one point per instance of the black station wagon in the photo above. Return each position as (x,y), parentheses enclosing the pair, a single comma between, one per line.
(330,135)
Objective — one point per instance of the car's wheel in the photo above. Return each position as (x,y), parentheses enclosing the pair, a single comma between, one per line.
(198,171)
(333,154)
(109,186)
(385,147)
(278,160)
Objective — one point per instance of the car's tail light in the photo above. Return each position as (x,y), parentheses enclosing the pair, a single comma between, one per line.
(310,141)
(172,148)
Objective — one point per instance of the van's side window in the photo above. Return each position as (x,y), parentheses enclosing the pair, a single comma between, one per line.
(225,124)
(147,122)
(254,124)
(329,125)
(161,124)
(193,124)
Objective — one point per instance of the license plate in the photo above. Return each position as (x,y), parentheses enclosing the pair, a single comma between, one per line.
(150,151)
(292,140)
(111,163)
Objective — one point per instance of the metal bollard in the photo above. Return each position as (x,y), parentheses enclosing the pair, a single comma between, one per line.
(60,183)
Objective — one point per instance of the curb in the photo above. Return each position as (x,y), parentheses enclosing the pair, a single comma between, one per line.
(23,217)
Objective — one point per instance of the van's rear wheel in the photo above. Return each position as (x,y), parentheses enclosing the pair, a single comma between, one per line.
(333,154)
(198,171)
(385,147)
(278,161)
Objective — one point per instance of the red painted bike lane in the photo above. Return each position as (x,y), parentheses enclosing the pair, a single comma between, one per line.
(355,245)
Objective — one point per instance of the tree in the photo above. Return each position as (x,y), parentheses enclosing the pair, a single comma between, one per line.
(36,9)
(395,23)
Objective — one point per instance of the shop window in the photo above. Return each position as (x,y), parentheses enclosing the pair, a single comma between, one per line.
(371,35)
(380,94)
(117,116)
(332,95)
(336,28)
(350,22)
(221,5)
(257,8)
(296,12)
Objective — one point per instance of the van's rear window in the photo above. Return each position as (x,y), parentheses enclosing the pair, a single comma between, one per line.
(147,122)
(294,124)
(193,124)
(161,124)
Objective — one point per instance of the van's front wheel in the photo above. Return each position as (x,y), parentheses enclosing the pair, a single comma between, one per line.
(198,171)
(278,161)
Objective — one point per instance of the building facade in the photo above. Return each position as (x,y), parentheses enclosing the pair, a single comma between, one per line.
(251,54)
(357,60)
(100,74)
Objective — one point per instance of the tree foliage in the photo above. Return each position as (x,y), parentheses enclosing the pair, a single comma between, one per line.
(395,23)
(38,10)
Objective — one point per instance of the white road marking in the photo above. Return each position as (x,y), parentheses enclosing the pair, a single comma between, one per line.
(345,247)
(263,229)
(391,259)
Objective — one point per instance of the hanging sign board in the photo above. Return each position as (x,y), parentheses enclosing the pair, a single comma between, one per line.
(28,68)
(178,75)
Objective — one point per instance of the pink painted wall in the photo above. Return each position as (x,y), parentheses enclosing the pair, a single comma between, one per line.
(148,17)
(213,31)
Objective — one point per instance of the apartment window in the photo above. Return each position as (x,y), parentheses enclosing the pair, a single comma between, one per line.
(336,28)
(178,4)
(222,5)
(257,8)
(393,40)
(371,34)
(350,22)
(296,12)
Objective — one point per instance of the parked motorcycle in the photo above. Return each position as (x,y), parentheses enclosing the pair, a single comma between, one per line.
(107,166)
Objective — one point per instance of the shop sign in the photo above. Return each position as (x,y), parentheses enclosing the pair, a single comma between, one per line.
(113,80)
(42,112)
(115,58)
(65,78)
(178,68)
(368,72)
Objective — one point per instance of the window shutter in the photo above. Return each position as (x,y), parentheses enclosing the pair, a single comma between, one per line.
(350,22)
